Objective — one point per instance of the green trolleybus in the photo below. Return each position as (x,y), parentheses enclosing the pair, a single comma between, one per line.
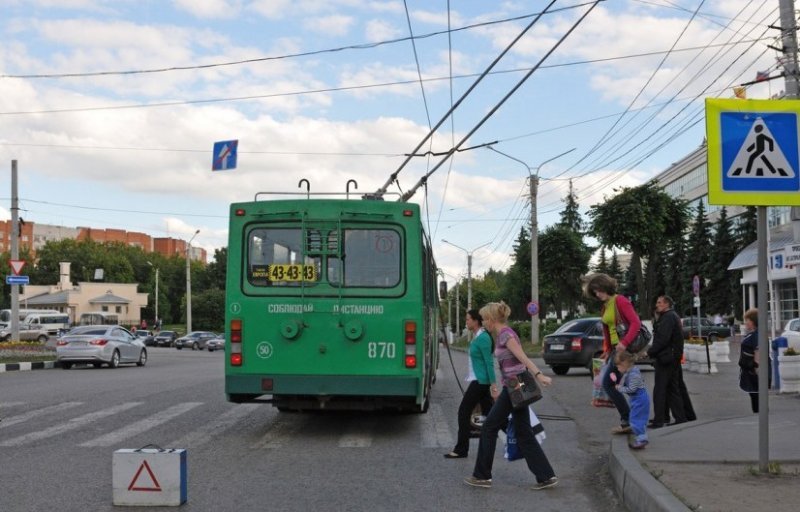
(330,304)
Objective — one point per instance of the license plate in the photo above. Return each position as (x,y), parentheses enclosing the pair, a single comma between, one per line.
(557,347)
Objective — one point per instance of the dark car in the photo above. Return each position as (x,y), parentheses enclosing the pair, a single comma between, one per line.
(708,330)
(574,344)
(147,337)
(166,338)
(195,340)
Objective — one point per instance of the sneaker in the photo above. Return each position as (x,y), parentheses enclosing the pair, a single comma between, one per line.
(478,482)
(550,482)
(638,445)
(621,429)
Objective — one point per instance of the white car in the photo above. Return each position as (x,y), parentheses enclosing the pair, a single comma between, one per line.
(26,333)
(792,333)
(98,344)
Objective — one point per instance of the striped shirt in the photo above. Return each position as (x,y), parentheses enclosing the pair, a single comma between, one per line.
(509,365)
(632,381)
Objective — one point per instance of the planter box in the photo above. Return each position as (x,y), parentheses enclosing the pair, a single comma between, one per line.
(789,368)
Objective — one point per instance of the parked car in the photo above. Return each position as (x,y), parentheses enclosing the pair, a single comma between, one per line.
(100,344)
(791,332)
(708,330)
(26,333)
(147,337)
(217,343)
(574,344)
(195,340)
(166,338)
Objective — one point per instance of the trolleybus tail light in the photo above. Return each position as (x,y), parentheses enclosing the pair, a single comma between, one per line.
(236,342)
(577,345)
(408,213)
(240,212)
(411,344)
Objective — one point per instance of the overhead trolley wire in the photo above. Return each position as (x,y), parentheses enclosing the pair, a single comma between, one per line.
(410,193)
(382,190)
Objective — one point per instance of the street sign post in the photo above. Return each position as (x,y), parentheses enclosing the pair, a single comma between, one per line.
(17,279)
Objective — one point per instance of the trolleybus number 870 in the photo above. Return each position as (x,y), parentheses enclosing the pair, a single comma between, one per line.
(380,350)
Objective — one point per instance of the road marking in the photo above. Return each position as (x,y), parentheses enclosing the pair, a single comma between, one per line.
(435,430)
(138,427)
(72,424)
(221,423)
(358,433)
(13,420)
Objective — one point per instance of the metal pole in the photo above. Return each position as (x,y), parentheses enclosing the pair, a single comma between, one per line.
(189,284)
(458,305)
(14,250)
(156,320)
(789,40)
(763,345)
(534,184)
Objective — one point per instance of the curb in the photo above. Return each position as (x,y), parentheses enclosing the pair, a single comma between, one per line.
(23,367)
(635,486)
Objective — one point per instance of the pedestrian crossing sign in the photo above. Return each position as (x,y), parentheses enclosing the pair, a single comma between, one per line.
(753,152)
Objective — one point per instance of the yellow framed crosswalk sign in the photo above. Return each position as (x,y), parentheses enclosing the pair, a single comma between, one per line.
(753,154)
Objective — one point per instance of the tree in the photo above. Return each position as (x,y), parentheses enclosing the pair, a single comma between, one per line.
(697,261)
(747,230)
(563,260)
(722,292)
(602,263)
(517,286)
(638,220)
(570,216)
(208,310)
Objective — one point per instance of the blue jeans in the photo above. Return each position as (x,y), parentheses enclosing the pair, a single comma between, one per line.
(613,393)
(528,445)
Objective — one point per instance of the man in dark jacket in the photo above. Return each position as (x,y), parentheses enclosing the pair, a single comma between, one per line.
(666,352)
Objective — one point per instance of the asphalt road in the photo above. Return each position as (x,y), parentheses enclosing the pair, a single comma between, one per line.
(60,429)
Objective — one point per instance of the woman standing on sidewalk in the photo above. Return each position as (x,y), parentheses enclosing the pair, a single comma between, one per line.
(481,382)
(616,311)
(512,361)
(748,358)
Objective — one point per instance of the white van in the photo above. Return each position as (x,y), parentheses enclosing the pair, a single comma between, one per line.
(22,314)
(51,322)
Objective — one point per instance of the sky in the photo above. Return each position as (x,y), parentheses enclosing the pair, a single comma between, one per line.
(112,107)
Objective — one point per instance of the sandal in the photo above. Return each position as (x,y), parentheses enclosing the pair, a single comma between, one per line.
(454,455)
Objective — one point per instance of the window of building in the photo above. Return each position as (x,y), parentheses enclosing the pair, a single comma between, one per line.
(118,309)
(104,308)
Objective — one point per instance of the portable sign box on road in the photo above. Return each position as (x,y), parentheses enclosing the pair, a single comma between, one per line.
(753,155)
(149,476)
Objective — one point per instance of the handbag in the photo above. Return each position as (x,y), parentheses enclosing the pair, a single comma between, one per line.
(640,342)
(523,390)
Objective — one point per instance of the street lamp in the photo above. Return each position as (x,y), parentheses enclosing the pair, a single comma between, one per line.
(156,320)
(534,185)
(449,314)
(469,268)
(189,285)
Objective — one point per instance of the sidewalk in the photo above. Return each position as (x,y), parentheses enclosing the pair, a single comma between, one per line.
(712,464)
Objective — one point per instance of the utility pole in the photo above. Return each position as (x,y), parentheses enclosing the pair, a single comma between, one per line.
(533,179)
(14,250)
(790,76)
(469,268)
(189,283)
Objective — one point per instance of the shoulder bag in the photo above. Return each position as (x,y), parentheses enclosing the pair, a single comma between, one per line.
(640,342)
(523,390)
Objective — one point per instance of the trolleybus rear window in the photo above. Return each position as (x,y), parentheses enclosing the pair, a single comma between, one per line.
(275,258)
(371,259)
